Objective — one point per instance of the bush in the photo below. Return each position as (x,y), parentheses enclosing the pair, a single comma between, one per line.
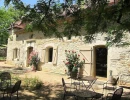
(34,59)
(32,83)
(73,61)
(28,83)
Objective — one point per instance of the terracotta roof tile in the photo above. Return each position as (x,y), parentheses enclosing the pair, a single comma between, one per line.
(19,25)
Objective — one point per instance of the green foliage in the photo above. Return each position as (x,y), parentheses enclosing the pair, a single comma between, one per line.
(2,58)
(27,83)
(14,78)
(99,16)
(34,59)
(32,83)
(7,17)
(73,61)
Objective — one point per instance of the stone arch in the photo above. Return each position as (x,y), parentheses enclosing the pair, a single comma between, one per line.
(52,53)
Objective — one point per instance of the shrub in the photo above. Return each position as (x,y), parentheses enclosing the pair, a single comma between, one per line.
(27,83)
(73,61)
(32,83)
(34,59)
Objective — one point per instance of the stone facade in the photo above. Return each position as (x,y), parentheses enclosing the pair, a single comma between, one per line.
(118,58)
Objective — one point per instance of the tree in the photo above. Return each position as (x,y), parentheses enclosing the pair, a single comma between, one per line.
(95,16)
(7,16)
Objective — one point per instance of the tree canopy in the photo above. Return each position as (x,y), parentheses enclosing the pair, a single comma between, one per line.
(94,16)
(7,16)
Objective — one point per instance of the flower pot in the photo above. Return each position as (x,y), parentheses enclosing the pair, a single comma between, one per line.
(73,74)
(33,68)
(39,67)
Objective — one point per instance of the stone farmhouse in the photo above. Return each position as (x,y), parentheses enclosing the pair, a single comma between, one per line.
(99,59)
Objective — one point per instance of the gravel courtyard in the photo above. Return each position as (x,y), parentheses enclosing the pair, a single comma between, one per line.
(52,85)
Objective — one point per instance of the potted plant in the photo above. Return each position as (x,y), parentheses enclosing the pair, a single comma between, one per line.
(73,62)
(34,60)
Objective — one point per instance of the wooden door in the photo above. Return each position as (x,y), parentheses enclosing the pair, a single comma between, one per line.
(86,53)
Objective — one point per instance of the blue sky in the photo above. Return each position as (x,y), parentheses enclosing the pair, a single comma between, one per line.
(31,2)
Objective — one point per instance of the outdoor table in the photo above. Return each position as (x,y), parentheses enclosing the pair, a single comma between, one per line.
(90,79)
(84,94)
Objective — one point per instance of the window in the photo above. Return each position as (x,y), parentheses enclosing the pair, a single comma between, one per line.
(49,54)
(15,53)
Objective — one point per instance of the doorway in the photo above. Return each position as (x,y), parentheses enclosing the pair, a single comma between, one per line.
(101,61)
(29,50)
(50,54)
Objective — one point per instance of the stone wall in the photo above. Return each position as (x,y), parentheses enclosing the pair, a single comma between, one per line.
(118,59)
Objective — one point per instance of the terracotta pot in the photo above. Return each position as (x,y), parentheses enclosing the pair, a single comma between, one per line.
(73,74)
(34,69)
(39,68)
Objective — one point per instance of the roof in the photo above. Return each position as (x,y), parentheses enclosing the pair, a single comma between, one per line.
(18,24)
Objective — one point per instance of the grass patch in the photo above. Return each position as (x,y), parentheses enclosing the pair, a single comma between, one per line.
(32,83)
(2,58)
(28,83)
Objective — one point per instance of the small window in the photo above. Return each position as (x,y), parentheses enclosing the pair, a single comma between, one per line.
(15,53)
(49,54)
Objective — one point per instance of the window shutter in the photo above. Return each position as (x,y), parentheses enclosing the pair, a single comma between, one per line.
(55,56)
(13,54)
(43,55)
(86,53)
(18,53)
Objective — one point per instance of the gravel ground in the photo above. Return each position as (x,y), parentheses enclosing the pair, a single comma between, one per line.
(52,86)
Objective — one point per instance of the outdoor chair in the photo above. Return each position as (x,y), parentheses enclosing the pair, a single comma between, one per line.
(13,89)
(116,95)
(5,81)
(98,96)
(5,76)
(111,85)
(66,92)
